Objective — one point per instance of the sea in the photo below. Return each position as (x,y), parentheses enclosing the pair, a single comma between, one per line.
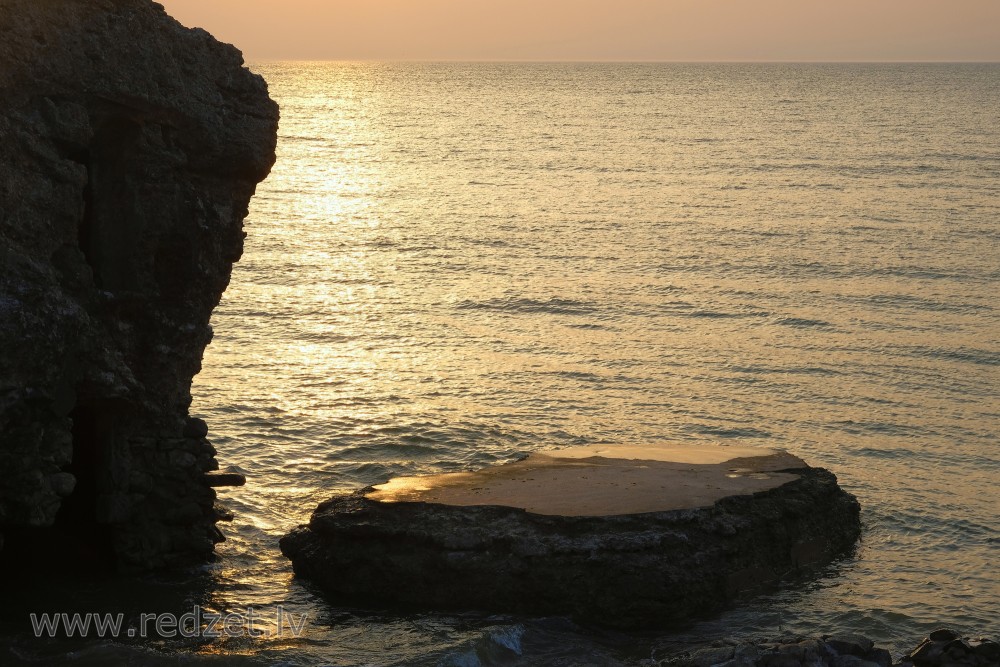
(455,264)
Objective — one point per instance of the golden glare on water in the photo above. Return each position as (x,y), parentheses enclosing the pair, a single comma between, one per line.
(454,265)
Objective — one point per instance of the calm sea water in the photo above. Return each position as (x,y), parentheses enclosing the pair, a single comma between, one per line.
(455,264)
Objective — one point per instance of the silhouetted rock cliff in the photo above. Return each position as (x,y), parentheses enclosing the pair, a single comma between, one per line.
(129,149)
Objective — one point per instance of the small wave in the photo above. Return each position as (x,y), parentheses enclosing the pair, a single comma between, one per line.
(579,375)
(417,439)
(492,243)
(877,427)
(801,322)
(363,474)
(325,382)
(303,138)
(508,638)
(718,314)
(723,432)
(495,646)
(964,354)
(586,325)
(412,447)
(922,274)
(871,452)
(418,248)
(554,305)
(909,301)
(942,525)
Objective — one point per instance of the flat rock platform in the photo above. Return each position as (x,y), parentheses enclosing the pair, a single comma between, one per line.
(629,537)
(604,481)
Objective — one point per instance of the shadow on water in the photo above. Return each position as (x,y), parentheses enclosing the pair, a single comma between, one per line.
(118,614)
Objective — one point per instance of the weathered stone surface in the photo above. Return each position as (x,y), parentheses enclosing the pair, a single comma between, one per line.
(390,545)
(946,648)
(129,149)
(986,650)
(825,653)
(598,481)
(850,644)
(225,479)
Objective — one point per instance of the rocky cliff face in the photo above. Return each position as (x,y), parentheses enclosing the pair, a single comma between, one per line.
(129,149)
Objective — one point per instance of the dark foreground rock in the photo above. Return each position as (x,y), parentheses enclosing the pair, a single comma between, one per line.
(943,648)
(129,149)
(391,546)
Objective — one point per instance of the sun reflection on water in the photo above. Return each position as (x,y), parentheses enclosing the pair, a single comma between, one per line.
(452,265)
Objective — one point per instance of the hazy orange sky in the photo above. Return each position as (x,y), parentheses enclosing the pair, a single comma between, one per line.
(601,29)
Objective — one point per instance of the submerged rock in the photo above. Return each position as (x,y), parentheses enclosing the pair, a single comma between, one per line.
(628,537)
(130,149)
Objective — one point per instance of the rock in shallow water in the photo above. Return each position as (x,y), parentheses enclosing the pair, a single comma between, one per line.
(628,537)
(853,651)
(129,149)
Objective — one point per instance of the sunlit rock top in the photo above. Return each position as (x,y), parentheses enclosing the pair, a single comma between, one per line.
(605,480)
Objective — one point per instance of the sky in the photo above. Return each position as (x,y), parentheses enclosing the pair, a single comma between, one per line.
(644,30)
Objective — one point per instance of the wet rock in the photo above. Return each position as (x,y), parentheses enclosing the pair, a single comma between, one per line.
(928,653)
(943,635)
(956,649)
(748,654)
(947,648)
(509,538)
(62,484)
(779,660)
(986,650)
(222,514)
(855,645)
(819,648)
(794,652)
(130,149)
(880,657)
(851,661)
(712,655)
(957,652)
(225,479)
(195,428)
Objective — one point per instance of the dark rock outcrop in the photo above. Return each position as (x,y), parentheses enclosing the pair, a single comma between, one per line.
(129,149)
(943,648)
(625,570)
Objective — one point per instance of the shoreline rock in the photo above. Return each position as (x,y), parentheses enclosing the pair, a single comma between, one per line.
(131,148)
(942,648)
(631,570)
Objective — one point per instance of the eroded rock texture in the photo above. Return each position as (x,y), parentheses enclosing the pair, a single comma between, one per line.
(129,149)
(629,571)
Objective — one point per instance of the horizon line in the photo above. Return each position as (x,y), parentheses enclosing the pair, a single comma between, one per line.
(623,61)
